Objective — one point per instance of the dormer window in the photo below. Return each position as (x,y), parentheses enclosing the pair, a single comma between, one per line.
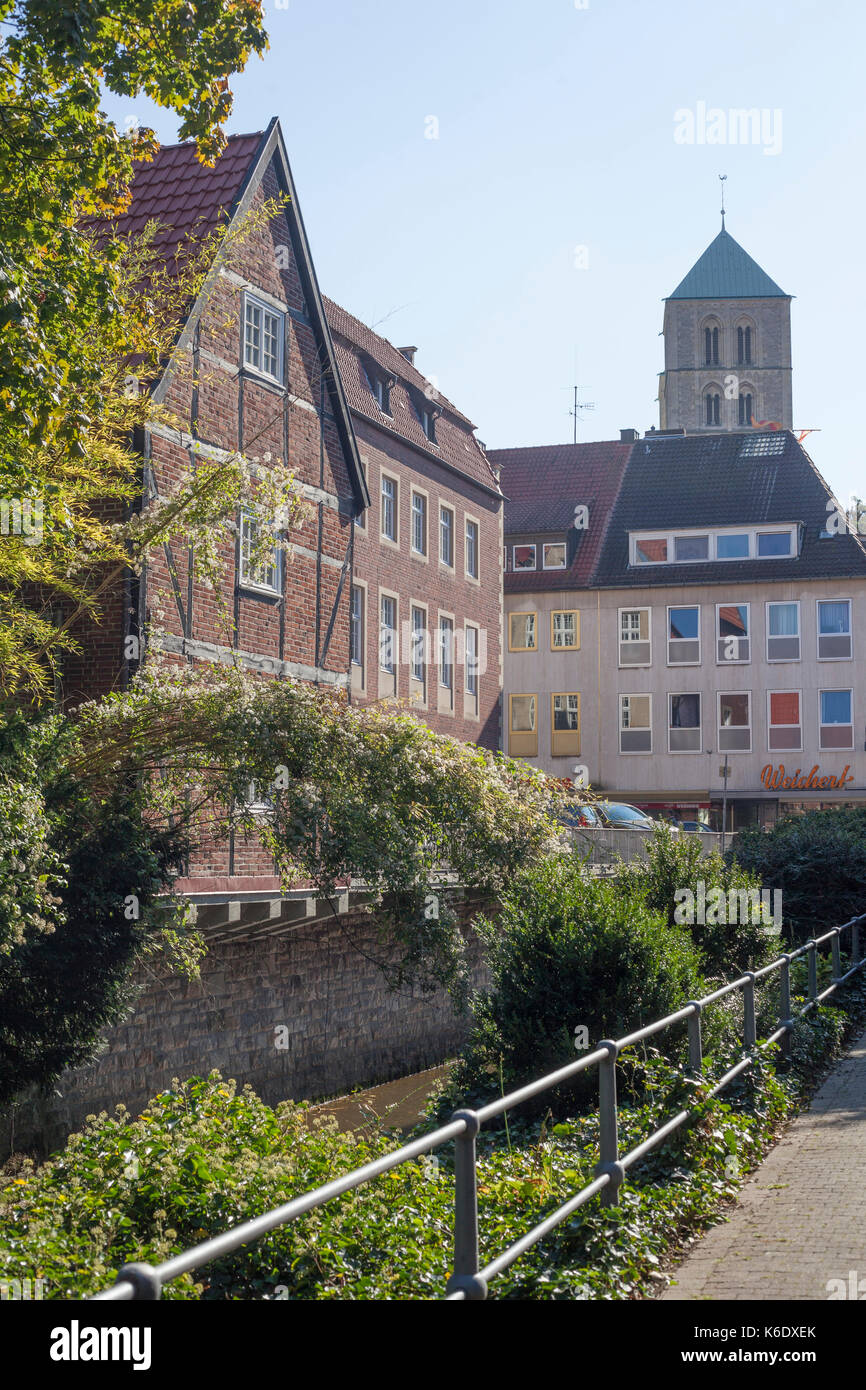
(428,424)
(382,393)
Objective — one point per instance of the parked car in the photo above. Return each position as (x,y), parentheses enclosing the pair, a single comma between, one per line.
(619,815)
(698,826)
(582,816)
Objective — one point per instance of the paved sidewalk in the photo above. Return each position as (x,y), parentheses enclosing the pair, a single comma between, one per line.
(801,1218)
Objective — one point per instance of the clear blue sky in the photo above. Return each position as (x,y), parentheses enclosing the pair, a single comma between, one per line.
(556,131)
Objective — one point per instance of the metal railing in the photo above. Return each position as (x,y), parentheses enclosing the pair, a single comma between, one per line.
(470,1279)
(606,848)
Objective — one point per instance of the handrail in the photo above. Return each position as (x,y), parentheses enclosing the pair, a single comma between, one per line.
(469,1280)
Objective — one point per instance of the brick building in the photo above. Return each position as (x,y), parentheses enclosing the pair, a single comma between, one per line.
(427,573)
(262,372)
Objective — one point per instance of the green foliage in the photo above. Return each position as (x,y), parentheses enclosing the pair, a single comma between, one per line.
(203,1157)
(358,792)
(80,879)
(568,950)
(675,863)
(818,860)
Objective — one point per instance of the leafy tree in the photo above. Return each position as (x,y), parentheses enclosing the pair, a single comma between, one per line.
(818,861)
(675,863)
(99,812)
(78,306)
(81,879)
(566,951)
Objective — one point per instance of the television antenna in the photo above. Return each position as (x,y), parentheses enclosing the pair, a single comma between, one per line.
(578,408)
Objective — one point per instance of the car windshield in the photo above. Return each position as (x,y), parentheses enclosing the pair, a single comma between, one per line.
(617,810)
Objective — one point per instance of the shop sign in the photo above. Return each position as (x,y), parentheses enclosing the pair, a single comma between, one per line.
(776,779)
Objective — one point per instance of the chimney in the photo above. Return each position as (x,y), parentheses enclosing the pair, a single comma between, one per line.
(628,436)
(408,353)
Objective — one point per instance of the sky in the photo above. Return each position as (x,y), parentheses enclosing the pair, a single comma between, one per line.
(507,186)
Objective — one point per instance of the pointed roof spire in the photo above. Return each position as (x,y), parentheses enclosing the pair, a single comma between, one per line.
(722,178)
(726,271)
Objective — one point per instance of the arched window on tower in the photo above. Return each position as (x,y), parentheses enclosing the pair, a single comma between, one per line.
(712,408)
(744,415)
(711,346)
(744,344)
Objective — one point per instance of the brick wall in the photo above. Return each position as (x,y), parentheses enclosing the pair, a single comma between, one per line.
(345,1028)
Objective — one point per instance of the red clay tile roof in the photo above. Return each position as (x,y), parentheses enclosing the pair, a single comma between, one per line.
(455,441)
(184,195)
(188,198)
(542,487)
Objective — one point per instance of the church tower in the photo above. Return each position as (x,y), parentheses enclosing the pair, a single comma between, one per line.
(727,331)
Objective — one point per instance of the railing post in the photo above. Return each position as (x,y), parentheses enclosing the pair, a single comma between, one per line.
(608,1129)
(813,969)
(837,957)
(785,1019)
(143,1278)
(696,1059)
(855,943)
(465,1275)
(749,1030)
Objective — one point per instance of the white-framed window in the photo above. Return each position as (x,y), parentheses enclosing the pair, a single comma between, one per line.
(419,645)
(471,555)
(522,632)
(389,493)
(446,536)
(419,523)
(684,635)
(523,557)
(264,338)
(734,721)
(635,636)
(835,719)
(553,555)
(733,642)
(834,629)
(783,630)
(700,546)
(784,720)
(471,651)
(446,653)
(635,724)
(356,641)
(258,799)
(684,723)
(259,563)
(564,630)
(388,633)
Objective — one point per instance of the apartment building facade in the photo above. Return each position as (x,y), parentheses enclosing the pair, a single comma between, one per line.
(705,642)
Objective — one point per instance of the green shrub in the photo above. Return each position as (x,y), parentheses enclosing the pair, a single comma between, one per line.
(818,861)
(569,950)
(675,863)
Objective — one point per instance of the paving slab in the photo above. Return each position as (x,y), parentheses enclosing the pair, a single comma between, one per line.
(800,1221)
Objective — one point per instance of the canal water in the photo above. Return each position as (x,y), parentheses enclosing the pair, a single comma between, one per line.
(398,1104)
